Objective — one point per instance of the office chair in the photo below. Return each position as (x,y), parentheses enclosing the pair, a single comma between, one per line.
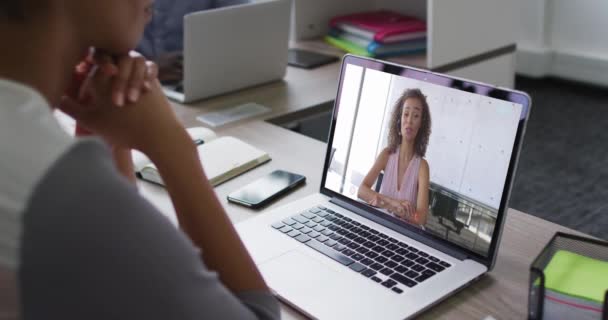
(446,207)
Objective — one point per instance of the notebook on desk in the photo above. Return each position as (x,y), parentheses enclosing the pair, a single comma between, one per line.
(223,158)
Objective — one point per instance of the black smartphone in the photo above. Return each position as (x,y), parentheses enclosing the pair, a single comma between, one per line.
(308,59)
(262,191)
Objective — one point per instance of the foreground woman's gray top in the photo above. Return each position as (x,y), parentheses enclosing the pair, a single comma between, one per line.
(86,245)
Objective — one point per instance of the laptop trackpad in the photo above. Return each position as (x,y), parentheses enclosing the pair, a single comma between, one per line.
(297,265)
(303,280)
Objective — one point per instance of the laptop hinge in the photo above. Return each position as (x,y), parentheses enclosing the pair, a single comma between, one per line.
(400,229)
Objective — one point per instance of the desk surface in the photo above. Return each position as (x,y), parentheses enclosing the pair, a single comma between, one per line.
(502,293)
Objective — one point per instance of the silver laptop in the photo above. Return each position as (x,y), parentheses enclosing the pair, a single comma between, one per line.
(231,48)
(339,254)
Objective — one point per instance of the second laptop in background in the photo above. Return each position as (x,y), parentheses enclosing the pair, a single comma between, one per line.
(231,48)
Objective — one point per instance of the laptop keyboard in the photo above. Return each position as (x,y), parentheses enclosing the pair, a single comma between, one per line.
(361,248)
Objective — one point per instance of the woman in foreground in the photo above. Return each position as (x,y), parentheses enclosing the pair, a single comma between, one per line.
(76,239)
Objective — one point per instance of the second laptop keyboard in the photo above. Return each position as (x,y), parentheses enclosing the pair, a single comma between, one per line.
(361,248)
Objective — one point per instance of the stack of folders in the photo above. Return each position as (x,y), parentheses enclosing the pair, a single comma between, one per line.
(378,34)
(575,286)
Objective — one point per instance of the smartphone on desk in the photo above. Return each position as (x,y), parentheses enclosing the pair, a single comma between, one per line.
(308,59)
(262,191)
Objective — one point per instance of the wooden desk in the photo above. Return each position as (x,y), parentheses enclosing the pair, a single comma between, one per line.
(501,294)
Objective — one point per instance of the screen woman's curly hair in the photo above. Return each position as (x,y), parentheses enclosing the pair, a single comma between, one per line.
(394,131)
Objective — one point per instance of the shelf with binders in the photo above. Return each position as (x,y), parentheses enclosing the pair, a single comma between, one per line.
(461,40)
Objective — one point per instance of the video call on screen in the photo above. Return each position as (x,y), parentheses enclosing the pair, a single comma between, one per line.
(469,143)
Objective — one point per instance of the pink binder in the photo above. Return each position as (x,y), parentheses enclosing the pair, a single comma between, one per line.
(381,26)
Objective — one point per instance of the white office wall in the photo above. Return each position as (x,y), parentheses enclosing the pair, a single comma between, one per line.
(579,26)
(453,114)
(564,25)
(563,38)
(464,28)
(532,24)
(490,149)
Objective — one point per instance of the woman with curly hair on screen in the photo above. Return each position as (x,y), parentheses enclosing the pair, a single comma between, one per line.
(404,189)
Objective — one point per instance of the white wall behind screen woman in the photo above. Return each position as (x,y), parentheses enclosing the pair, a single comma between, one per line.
(471,141)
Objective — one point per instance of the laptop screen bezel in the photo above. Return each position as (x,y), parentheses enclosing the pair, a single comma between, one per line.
(431,77)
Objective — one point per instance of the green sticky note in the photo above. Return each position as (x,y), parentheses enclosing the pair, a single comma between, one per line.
(347,46)
(578,276)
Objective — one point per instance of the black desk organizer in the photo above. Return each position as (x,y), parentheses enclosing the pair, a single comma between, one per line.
(561,241)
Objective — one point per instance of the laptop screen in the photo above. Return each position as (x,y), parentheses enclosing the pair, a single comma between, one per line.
(428,152)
